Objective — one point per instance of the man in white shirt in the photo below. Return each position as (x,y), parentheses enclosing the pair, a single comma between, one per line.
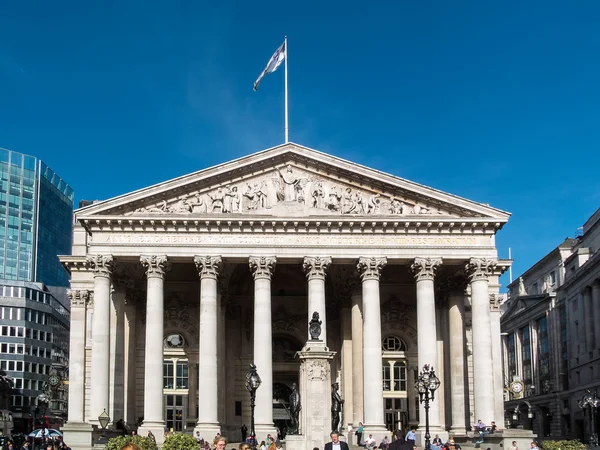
(370,442)
(411,437)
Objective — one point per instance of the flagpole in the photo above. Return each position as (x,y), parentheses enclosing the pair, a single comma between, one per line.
(287,128)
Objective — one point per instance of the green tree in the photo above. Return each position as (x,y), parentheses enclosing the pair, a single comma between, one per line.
(180,441)
(118,442)
(563,445)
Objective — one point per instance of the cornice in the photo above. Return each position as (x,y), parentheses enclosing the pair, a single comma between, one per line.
(261,224)
(74,263)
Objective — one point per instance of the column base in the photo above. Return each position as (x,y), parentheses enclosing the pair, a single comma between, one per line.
(458,431)
(157,429)
(295,442)
(443,434)
(263,430)
(208,431)
(78,435)
(378,432)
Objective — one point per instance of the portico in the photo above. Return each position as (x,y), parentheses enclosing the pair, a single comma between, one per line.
(226,266)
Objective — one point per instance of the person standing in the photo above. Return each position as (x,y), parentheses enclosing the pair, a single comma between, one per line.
(335,443)
(513,446)
(244,432)
(359,433)
(411,437)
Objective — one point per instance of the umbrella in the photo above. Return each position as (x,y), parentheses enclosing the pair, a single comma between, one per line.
(45,432)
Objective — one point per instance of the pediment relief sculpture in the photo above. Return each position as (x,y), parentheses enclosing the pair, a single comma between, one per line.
(289,191)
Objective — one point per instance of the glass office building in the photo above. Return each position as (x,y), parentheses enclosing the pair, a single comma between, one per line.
(36,220)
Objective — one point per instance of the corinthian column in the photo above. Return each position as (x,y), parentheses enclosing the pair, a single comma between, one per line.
(357,360)
(316,270)
(156,268)
(370,271)
(456,319)
(424,270)
(208,413)
(262,269)
(79,299)
(483,364)
(102,266)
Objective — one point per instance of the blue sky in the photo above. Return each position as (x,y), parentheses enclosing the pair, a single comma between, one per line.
(498,102)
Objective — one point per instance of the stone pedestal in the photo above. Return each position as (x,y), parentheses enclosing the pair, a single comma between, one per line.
(501,440)
(315,397)
(78,435)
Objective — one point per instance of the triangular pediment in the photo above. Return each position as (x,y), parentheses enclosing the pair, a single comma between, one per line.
(290,181)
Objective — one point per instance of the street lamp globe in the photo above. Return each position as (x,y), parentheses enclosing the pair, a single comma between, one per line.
(103,419)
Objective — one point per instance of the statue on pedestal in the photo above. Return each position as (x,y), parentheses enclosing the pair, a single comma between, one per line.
(336,407)
(314,327)
(295,407)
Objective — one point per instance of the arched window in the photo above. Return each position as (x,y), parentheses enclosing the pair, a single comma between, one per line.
(393,344)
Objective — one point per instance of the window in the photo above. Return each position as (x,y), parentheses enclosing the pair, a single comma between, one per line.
(387,377)
(564,363)
(168,375)
(182,375)
(400,376)
(512,358)
(393,344)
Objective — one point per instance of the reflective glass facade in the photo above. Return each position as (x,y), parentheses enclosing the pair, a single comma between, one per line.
(36,222)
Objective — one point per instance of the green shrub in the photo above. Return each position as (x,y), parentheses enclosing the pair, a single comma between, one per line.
(563,445)
(118,442)
(180,441)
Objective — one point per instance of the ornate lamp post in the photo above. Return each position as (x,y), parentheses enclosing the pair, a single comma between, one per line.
(426,385)
(252,383)
(591,402)
(103,419)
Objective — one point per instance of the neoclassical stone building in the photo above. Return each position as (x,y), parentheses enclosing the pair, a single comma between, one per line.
(178,287)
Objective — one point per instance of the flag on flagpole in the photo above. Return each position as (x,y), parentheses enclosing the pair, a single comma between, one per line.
(272,65)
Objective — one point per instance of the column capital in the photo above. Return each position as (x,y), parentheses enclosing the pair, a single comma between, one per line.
(425,268)
(262,266)
(370,268)
(208,266)
(79,297)
(101,265)
(480,268)
(156,265)
(316,267)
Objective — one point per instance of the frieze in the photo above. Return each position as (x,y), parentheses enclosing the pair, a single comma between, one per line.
(292,190)
(274,240)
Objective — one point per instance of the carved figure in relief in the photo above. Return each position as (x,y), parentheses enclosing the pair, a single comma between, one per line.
(197,204)
(235,200)
(290,181)
(181,207)
(251,196)
(374,204)
(227,199)
(335,197)
(349,205)
(314,327)
(361,208)
(161,207)
(261,194)
(318,196)
(217,200)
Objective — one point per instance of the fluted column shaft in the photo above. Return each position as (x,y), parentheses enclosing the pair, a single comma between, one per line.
(208,414)
(357,360)
(424,271)
(316,270)
(102,266)
(79,299)
(589,315)
(596,307)
(156,268)
(456,316)
(483,366)
(262,269)
(370,271)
